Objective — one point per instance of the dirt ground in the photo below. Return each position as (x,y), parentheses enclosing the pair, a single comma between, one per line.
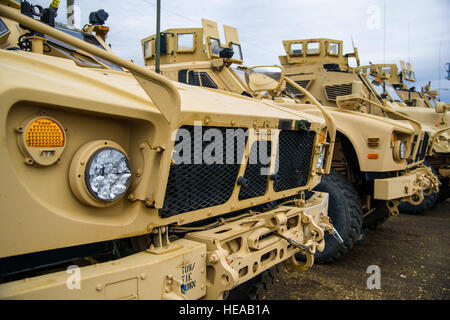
(412,253)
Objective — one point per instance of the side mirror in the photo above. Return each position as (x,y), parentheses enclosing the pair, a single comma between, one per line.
(441,107)
(264,78)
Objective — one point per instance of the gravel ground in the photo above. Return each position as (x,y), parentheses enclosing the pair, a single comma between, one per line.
(411,251)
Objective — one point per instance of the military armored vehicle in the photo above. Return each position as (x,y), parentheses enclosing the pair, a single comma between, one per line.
(393,90)
(333,78)
(370,170)
(121,184)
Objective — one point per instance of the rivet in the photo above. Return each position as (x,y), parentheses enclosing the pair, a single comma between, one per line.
(98,288)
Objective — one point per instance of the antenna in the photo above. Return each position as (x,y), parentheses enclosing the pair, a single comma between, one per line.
(409,52)
(439,70)
(384,29)
(158,36)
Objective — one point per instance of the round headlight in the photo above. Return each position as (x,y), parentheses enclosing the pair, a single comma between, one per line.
(443,142)
(320,161)
(108,174)
(400,150)
(100,173)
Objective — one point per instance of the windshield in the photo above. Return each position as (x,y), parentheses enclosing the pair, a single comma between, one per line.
(393,93)
(86,38)
(376,84)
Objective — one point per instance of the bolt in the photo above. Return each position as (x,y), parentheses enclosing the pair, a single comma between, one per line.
(143,276)
(213,259)
(99,287)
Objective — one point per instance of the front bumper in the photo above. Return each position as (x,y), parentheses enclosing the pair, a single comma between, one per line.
(204,264)
(410,187)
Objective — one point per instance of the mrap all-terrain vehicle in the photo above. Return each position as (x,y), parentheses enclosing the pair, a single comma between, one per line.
(377,163)
(393,89)
(121,184)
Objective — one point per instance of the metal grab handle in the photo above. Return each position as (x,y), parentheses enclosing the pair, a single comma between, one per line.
(328,119)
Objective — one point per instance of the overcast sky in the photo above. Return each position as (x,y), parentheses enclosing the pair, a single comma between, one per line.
(383,31)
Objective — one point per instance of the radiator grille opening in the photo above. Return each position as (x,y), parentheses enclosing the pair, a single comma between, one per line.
(302,83)
(258,165)
(338,90)
(294,159)
(194,186)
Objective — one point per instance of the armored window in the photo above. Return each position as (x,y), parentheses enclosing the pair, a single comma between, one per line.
(237,51)
(189,77)
(313,48)
(215,47)
(393,93)
(3,28)
(148,48)
(240,73)
(297,49)
(377,85)
(333,49)
(195,78)
(86,37)
(185,42)
(386,71)
(207,81)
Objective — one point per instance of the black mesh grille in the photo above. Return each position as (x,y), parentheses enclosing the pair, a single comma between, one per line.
(294,159)
(423,148)
(256,181)
(193,186)
(338,90)
(301,83)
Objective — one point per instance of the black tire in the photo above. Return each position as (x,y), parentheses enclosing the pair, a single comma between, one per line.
(375,219)
(344,209)
(444,190)
(255,288)
(427,203)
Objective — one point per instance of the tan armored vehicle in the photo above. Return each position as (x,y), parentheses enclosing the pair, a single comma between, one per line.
(371,174)
(121,184)
(393,91)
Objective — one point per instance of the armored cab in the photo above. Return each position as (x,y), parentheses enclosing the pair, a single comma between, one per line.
(121,184)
